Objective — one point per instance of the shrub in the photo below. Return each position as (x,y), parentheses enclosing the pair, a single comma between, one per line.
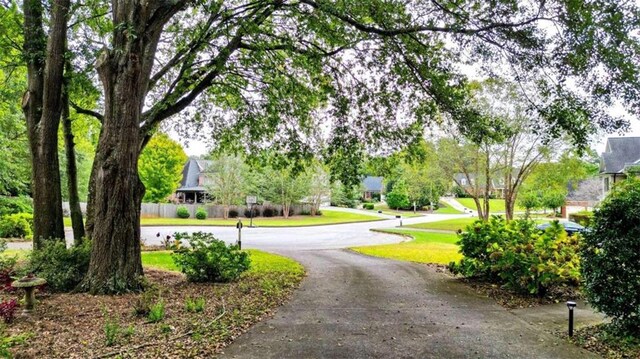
(62,267)
(247,212)
(14,205)
(518,255)
(399,197)
(111,331)
(183,212)
(269,212)
(194,305)
(583,217)
(157,312)
(368,206)
(233,213)
(611,257)
(201,213)
(209,259)
(8,310)
(19,225)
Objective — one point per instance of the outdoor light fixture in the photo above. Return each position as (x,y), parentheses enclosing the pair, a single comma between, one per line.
(571,305)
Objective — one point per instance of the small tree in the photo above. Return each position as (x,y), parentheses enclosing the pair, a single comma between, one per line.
(529,200)
(160,167)
(553,200)
(319,187)
(284,187)
(228,181)
(611,257)
(399,196)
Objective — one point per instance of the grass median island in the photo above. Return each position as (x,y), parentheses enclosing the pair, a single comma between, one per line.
(327,217)
(425,247)
(392,212)
(444,208)
(86,326)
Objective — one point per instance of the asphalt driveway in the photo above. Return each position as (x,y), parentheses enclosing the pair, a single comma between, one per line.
(354,306)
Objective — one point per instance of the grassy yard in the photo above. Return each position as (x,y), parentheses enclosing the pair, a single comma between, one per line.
(425,247)
(443,208)
(327,217)
(447,225)
(261,262)
(495,205)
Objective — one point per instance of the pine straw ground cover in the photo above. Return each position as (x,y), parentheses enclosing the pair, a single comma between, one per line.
(82,325)
(599,339)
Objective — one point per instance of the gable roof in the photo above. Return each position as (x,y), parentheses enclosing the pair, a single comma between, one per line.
(619,153)
(191,175)
(372,184)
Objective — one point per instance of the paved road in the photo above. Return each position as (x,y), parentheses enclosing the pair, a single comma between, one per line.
(301,238)
(354,306)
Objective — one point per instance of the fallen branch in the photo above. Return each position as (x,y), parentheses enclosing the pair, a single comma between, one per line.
(176,337)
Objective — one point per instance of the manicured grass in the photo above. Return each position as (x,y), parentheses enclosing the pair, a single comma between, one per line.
(495,205)
(426,247)
(261,262)
(327,217)
(443,208)
(447,225)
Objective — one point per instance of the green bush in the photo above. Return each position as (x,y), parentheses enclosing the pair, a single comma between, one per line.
(208,259)
(183,212)
(201,213)
(368,206)
(13,205)
(611,257)
(233,213)
(583,217)
(398,197)
(62,267)
(518,255)
(18,225)
(157,312)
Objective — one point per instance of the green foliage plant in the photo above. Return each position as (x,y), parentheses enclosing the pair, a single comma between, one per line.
(398,198)
(111,330)
(183,212)
(518,255)
(14,205)
(62,267)
(194,305)
(611,257)
(160,167)
(583,218)
(368,206)
(157,312)
(208,259)
(201,213)
(18,225)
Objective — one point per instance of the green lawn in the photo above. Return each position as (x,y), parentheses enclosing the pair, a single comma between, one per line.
(327,217)
(443,208)
(426,247)
(447,225)
(261,262)
(495,205)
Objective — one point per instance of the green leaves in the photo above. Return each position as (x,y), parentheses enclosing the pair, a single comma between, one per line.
(160,167)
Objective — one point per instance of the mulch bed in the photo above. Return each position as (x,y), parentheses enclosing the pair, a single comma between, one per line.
(513,300)
(596,340)
(73,325)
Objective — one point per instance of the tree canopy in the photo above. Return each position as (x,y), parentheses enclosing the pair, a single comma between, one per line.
(160,167)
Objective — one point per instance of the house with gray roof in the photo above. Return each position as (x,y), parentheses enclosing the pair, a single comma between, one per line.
(619,155)
(372,187)
(194,181)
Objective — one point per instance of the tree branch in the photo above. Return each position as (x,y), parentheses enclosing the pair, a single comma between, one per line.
(87,112)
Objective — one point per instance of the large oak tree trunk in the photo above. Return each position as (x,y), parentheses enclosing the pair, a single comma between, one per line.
(116,265)
(42,107)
